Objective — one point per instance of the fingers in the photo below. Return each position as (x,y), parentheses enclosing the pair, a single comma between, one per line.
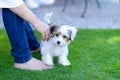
(44,29)
(46,35)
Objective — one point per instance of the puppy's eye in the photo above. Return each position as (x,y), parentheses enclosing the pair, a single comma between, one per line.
(57,35)
(64,36)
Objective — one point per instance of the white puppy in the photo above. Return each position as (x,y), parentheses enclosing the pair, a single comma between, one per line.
(61,36)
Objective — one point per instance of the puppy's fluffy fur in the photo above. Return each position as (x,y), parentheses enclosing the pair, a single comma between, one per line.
(61,36)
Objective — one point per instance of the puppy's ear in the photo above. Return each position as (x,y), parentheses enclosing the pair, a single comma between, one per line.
(54,28)
(69,33)
(72,32)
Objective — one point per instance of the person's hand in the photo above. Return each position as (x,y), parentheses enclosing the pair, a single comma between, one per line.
(44,29)
(24,12)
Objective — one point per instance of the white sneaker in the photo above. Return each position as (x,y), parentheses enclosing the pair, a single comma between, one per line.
(32,4)
(45,2)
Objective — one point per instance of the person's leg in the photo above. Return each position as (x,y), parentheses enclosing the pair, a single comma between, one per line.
(17,36)
(34,45)
(20,49)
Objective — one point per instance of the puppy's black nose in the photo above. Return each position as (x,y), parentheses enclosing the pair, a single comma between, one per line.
(58,42)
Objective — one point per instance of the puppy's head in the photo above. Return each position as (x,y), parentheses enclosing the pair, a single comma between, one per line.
(62,35)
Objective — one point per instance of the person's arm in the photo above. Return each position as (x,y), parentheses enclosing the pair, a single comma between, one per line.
(29,16)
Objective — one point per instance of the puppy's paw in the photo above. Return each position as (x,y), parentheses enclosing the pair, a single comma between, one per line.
(47,60)
(66,63)
(49,63)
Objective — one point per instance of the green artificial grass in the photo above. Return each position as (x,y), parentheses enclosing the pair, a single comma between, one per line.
(94,54)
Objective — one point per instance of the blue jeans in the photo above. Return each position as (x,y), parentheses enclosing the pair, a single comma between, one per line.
(21,36)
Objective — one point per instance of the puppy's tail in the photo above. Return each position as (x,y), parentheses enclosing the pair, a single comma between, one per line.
(47,17)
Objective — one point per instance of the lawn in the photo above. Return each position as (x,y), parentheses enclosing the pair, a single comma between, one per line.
(94,54)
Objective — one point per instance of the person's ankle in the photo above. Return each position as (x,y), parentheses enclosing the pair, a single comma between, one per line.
(35,51)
